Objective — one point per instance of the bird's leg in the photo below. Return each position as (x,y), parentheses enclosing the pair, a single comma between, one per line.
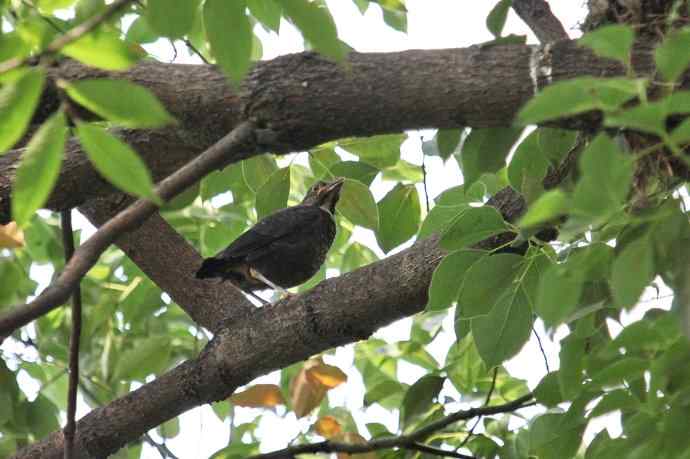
(257,275)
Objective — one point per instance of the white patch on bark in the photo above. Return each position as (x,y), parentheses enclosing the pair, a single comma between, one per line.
(540,66)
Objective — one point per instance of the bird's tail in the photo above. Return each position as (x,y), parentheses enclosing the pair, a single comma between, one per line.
(211,267)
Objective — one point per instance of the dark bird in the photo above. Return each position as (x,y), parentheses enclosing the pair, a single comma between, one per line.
(283,249)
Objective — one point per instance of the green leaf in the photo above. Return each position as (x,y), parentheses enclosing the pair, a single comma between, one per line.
(559,294)
(256,170)
(548,391)
(528,168)
(486,282)
(140,32)
(119,101)
(485,151)
(18,101)
(497,17)
(233,55)
(273,194)
(550,205)
(606,177)
(611,41)
(171,18)
(448,276)
(103,49)
(555,144)
(438,219)
(42,416)
(419,397)
(356,256)
(355,170)
(571,357)
(314,20)
(501,333)
(149,355)
(647,117)
(633,270)
(619,399)
(357,204)
(388,394)
(626,369)
(473,225)
(578,95)
(116,161)
(551,436)
(399,216)
(39,169)
(267,12)
(169,429)
(395,19)
(447,141)
(404,171)
(381,151)
(321,159)
(671,56)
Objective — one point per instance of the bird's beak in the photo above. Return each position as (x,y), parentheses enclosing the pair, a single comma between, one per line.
(334,186)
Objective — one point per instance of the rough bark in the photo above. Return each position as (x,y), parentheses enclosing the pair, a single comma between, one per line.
(302,100)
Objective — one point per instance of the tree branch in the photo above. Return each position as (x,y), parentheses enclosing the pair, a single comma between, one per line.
(409,441)
(538,16)
(69,37)
(70,426)
(230,147)
(302,100)
(170,261)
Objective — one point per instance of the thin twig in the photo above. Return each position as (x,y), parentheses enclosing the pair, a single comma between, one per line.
(235,146)
(162,448)
(479,418)
(45,19)
(541,348)
(403,441)
(437,451)
(196,51)
(69,37)
(426,191)
(71,425)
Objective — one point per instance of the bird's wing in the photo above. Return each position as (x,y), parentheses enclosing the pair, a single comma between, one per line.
(271,229)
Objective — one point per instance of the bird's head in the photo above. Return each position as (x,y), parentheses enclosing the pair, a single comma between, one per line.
(324,194)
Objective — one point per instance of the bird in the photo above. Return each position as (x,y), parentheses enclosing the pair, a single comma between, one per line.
(282,250)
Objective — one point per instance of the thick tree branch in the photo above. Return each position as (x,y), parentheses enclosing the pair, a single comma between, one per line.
(170,261)
(302,100)
(232,146)
(538,16)
(403,441)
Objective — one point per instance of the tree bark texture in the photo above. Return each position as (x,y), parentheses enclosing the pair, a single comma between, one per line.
(302,100)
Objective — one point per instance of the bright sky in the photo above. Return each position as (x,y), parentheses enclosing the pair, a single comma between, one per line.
(432,24)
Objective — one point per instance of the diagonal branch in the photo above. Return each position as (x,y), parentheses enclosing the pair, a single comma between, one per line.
(231,147)
(169,261)
(538,16)
(409,441)
(72,35)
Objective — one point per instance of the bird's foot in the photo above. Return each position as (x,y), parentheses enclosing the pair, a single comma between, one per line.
(284,295)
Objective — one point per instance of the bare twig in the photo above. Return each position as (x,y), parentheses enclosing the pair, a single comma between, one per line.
(162,448)
(479,418)
(541,348)
(409,441)
(69,37)
(437,451)
(71,426)
(426,191)
(238,144)
(538,16)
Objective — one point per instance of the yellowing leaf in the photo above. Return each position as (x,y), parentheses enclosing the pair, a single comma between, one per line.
(11,236)
(306,393)
(328,375)
(259,396)
(327,427)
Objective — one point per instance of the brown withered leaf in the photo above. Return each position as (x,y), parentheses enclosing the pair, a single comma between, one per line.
(327,427)
(11,236)
(306,393)
(328,375)
(259,396)
(353,439)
